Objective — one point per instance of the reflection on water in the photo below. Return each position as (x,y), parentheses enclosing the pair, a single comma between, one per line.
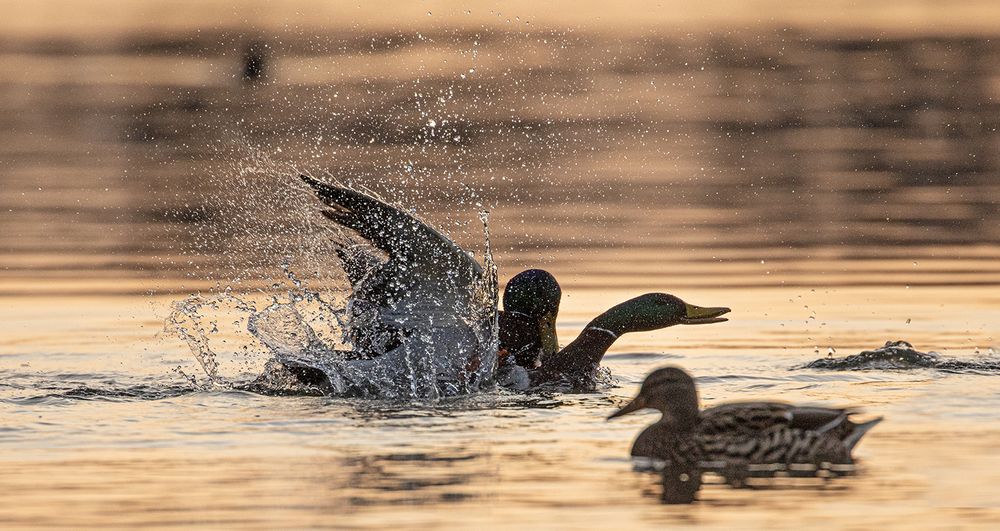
(836,191)
(782,157)
(108,429)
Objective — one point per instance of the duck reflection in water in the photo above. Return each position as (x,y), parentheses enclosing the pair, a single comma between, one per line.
(681,484)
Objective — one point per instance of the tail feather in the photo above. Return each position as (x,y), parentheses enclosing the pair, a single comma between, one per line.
(859,431)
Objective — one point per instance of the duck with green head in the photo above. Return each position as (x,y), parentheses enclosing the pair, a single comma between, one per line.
(417,266)
(577,364)
(529,346)
(740,433)
(528,319)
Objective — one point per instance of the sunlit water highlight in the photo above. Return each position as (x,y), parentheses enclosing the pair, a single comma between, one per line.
(837,192)
(111,428)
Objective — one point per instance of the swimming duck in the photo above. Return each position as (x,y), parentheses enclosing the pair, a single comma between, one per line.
(577,364)
(739,433)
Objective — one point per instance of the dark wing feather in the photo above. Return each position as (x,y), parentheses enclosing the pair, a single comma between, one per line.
(423,264)
(395,232)
(427,283)
(359,262)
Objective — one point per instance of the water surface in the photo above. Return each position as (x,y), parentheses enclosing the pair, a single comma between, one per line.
(836,189)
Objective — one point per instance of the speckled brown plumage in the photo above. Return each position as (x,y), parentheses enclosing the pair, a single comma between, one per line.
(740,433)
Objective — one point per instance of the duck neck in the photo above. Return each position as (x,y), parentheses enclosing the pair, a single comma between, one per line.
(609,323)
(582,357)
(682,412)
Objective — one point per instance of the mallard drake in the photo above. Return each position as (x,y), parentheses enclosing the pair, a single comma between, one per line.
(528,319)
(741,433)
(577,364)
(428,274)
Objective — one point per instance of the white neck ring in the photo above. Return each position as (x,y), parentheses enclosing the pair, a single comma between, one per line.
(605,330)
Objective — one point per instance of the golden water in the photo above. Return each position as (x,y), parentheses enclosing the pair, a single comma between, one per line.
(836,185)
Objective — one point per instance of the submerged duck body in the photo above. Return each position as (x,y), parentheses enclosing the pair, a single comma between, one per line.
(740,433)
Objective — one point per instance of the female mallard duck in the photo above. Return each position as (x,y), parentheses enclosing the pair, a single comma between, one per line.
(741,433)
(425,268)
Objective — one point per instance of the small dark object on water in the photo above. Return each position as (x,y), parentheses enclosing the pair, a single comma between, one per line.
(900,355)
(255,62)
(893,355)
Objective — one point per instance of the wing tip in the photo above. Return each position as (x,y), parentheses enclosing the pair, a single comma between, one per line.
(314,183)
(334,195)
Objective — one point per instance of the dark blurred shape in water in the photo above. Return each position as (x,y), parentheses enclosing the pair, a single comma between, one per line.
(680,484)
(900,355)
(255,62)
(833,159)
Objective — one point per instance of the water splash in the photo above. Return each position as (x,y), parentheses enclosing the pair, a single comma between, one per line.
(488,292)
(215,329)
(901,355)
(419,347)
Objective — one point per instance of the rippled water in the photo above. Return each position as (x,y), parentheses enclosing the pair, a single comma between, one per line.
(837,192)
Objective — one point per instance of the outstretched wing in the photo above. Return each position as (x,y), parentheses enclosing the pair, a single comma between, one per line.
(422,315)
(428,299)
(396,233)
(421,259)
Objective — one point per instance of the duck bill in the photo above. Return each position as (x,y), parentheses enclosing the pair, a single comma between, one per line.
(699,315)
(633,406)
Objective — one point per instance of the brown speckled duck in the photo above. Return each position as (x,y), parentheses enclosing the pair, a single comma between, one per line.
(740,433)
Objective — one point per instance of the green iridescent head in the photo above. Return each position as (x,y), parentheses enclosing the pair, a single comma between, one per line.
(535,295)
(653,311)
(533,292)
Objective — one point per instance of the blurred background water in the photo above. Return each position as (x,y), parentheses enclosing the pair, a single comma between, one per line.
(829,172)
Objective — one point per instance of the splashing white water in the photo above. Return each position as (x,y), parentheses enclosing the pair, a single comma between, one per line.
(448,348)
